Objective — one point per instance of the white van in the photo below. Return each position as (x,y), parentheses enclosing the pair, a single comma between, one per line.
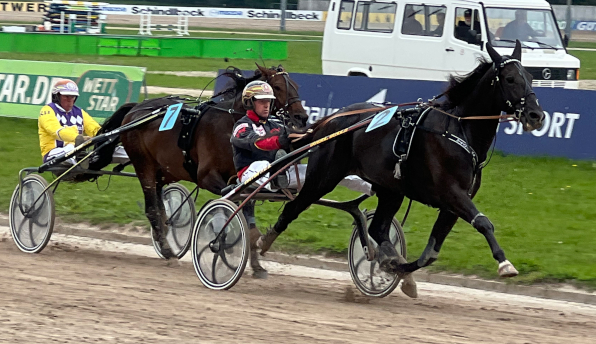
(431,39)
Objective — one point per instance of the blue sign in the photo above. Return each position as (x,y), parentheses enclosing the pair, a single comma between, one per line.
(569,126)
(381,119)
(170,118)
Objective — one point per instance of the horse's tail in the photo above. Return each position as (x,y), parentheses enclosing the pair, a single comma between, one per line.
(104,156)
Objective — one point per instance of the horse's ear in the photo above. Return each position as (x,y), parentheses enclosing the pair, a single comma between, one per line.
(494,55)
(280,68)
(262,69)
(517,51)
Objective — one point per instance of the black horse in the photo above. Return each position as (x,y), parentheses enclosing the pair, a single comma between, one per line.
(444,167)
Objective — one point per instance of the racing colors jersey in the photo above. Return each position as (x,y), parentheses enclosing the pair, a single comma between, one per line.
(254,139)
(58,128)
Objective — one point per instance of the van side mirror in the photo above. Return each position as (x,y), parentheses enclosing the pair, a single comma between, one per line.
(565,40)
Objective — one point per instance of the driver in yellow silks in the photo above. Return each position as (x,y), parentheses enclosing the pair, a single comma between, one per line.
(62,125)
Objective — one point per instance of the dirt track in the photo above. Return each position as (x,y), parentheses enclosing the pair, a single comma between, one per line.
(67,295)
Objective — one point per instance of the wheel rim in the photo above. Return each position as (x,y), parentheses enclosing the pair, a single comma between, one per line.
(219,260)
(31,229)
(367,275)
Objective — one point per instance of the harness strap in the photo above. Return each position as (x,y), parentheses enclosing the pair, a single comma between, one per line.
(190,121)
(296,136)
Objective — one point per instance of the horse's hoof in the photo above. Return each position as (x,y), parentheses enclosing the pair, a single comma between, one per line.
(259,273)
(506,269)
(167,253)
(408,286)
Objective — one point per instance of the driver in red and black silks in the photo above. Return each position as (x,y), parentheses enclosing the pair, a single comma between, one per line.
(256,140)
(62,125)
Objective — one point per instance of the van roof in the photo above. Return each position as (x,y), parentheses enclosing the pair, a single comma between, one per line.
(542,4)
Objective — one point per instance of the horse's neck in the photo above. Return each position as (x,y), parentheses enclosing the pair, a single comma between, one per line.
(480,133)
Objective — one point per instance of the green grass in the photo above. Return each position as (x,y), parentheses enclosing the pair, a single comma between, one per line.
(544,211)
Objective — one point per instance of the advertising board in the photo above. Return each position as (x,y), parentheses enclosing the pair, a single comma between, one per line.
(25,86)
(211,12)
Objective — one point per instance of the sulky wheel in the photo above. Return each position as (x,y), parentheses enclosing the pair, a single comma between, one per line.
(367,276)
(219,257)
(32,214)
(181,217)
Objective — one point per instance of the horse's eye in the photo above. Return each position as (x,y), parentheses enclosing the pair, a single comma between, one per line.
(510,79)
(277,88)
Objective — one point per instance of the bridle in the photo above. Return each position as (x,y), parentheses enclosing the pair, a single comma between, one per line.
(283,112)
(516,109)
(519,107)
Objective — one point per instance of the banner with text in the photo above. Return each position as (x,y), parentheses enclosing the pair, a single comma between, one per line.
(20,6)
(211,12)
(568,130)
(25,86)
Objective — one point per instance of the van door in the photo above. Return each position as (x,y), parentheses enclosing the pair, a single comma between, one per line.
(466,36)
(420,44)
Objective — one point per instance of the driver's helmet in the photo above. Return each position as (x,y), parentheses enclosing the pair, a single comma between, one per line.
(257,90)
(65,87)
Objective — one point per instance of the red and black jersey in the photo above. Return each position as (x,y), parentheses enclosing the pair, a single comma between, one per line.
(254,139)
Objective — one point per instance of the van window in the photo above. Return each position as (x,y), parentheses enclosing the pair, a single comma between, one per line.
(375,16)
(413,23)
(535,28)
(344,18)
(464,17)
(423,20)
(436,20)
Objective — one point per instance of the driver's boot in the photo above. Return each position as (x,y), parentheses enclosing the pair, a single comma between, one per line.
(265,241)
(257,270)
(281,181)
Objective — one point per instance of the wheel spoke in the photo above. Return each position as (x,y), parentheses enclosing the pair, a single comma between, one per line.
(213,264)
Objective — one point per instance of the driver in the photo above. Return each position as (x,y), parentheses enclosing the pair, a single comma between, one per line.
(62,125)
(255,139)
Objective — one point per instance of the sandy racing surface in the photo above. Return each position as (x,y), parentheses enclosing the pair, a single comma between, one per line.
(74,293)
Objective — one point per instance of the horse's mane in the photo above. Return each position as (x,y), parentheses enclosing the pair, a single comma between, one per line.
(236,82)
(462,86)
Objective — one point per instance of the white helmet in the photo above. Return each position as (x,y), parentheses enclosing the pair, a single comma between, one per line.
(66,87)
(257,90)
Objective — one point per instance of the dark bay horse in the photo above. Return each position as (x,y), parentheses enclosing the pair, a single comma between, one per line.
(444,167)
(158,160)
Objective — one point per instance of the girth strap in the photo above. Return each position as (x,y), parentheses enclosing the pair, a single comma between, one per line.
(190,119)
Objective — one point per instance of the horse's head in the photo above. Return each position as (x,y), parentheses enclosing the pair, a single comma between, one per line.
(287,101)
(515,84)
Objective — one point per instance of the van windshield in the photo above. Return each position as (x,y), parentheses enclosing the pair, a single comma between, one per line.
(535,28)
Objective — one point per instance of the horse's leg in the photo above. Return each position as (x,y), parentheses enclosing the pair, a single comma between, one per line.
(318,184)
(464,208)
(154,208)
(209,179)
(388,206)
(445,222)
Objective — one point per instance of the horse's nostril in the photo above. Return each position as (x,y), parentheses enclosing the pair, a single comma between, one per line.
(536,116)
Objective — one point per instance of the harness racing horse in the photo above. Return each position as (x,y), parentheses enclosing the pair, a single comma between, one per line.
(158,160)
(444,168)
